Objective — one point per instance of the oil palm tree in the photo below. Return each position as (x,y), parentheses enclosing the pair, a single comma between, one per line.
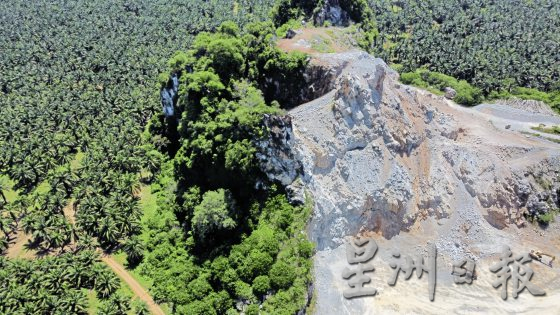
(72,301)
(4,186)
(105,283)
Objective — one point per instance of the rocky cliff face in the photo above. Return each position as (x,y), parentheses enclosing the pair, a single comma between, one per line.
(169,94)
(318,78)
(378,155)
(386,159)
(275,156)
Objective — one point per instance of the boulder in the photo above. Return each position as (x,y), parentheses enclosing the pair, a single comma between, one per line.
(450,93)
(296,193)
(290,34)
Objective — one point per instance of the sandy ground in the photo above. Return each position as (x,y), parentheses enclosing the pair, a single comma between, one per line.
(17,246)
(411,296)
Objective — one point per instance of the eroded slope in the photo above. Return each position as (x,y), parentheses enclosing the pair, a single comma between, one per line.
(408,168)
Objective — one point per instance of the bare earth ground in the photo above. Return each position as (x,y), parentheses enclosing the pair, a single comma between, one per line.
(133,284)
(317,40)
(481,241)
(17,247)
(411,297)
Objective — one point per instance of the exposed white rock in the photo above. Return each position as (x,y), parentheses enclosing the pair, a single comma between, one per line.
(380,155)
(404,165)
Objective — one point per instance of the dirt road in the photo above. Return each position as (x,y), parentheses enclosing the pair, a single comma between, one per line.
(133,284)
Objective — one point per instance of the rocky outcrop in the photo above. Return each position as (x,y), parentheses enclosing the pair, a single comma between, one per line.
(290,34)
(275,156)
(450,93)
(406,167)
(169,96)
(331,12)
(380,156)
(542,193)
(532,106)
(318,79)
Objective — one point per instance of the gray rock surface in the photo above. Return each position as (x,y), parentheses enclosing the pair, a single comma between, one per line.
(290,34)
(450,93)
(331,12)
(403,165)
(380,156)
(531,106)
(275,152)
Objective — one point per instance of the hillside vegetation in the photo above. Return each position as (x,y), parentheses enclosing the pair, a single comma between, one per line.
(235,238)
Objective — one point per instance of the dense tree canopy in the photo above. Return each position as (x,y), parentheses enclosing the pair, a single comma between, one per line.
(54,285)
(239,239)
(81,80)
(494,45)
(79,83)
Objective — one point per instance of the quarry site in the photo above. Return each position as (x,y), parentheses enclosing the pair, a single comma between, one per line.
(408,168)
(279,157)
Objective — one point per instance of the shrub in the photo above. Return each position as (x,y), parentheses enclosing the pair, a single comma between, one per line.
(197,308)
(257,263)
(292,24)
(282,275)
(261,285)
(436,82)
(252,309)
(213,215)
(551,98)
(244,291)
(199,288)
(546,218)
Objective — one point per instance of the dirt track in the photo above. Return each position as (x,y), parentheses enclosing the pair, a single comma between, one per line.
(133,284)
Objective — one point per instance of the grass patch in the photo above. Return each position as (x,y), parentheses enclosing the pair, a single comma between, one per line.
(292,24)
(435,82)
(543,219)
(93,302)
(11,195)
(547,218)
(538,135)
(552,139)
(43,188)
(554,130)
(543,183)
(120,257)
(148,203)
(77,161)
(322,44)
